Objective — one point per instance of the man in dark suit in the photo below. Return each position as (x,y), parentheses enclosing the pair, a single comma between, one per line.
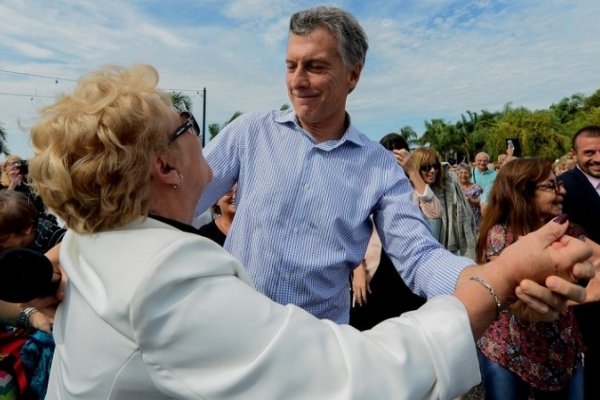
(582,204)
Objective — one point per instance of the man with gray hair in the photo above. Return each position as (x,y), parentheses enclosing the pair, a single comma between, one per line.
(308,181)
(484,177)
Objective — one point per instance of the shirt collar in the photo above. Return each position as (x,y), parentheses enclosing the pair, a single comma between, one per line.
(593,180)
(351,135)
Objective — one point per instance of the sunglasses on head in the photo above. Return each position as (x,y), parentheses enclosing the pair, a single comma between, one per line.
(427,167)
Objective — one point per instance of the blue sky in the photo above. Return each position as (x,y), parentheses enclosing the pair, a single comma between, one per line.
(427,58)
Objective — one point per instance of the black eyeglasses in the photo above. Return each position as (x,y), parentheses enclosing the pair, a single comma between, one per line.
(190,123)
(427,167)
(551,186)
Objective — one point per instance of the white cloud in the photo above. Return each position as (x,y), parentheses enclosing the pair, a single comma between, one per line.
(427,59)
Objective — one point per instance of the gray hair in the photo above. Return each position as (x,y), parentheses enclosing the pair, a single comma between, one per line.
(352,39)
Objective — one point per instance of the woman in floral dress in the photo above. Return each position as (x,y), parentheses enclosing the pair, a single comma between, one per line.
(520,358)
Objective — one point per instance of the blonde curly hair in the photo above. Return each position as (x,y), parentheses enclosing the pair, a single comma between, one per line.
(94,147)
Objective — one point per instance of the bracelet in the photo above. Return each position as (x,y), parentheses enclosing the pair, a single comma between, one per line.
(492,292)
(23,318)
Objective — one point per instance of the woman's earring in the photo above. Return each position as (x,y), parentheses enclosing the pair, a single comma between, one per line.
(180,182)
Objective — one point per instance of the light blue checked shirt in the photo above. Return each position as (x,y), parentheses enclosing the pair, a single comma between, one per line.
(302,221)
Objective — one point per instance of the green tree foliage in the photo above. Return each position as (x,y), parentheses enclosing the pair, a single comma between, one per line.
(541,133)
(583,119)
(568,107)
(409,135)
(181,101)
(592,102)
(214,128)
(234,116)
(3,147)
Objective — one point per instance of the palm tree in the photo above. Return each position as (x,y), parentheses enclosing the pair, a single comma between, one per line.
(213,130)
(234,116)
(3,147)
(409,134)
(181,102)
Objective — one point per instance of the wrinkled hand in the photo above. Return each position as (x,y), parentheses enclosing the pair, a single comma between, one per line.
(547,252)
(538,303)
(360,285)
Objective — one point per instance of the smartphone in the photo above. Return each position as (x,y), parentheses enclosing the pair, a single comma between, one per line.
(514,145)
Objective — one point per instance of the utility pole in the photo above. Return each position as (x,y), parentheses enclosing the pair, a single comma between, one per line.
(203,117)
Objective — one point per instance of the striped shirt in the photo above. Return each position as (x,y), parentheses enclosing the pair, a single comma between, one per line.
(302,221)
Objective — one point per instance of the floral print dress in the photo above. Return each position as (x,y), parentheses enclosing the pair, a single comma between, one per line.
(543,354)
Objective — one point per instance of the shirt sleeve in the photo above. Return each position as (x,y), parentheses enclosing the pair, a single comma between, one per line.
(205,333)
(223,156)
(426,267)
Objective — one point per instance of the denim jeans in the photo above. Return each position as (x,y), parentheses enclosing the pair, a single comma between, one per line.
(502,384)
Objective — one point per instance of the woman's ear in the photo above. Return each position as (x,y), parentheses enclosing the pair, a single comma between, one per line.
(164,172)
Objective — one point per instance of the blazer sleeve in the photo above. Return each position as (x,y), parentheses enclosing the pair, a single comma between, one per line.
(206,333)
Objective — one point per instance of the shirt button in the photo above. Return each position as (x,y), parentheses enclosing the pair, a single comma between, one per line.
(306,186)
(295,230)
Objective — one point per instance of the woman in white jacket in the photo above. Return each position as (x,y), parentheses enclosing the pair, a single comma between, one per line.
(153,311)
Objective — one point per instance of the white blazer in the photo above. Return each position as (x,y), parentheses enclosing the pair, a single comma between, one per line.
(151,312)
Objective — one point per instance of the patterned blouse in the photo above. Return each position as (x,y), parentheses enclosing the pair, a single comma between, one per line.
(543,354)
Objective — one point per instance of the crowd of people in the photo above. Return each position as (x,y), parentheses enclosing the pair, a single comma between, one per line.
(343,268)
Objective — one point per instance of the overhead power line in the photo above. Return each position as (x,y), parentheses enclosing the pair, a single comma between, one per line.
(56,79)
(27,95)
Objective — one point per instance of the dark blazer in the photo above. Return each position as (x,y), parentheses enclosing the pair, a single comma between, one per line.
(582,205)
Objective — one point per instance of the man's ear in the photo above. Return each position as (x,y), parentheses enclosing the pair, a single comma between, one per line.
(354,76)
(164,172)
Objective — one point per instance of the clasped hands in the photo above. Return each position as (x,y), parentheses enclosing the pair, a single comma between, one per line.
(545,266)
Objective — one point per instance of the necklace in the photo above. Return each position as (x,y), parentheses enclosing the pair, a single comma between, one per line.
(223,227)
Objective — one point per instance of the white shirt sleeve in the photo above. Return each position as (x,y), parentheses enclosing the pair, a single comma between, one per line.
(205,333)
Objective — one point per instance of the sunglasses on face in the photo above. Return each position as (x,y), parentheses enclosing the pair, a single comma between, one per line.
(551,186)
(190,123)
(427,167)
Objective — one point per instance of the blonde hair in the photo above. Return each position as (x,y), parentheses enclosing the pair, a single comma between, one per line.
(564,163)
(8,160)
(427,155)
(94,147)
